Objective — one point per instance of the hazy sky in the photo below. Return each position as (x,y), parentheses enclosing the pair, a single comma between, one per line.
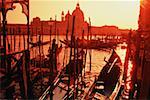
(122,13)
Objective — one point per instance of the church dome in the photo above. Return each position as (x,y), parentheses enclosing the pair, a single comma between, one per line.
(78,13)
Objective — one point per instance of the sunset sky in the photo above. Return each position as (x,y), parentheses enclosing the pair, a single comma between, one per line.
(122,13)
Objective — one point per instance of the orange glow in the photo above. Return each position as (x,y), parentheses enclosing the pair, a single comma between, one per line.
(122,13)
(141,3)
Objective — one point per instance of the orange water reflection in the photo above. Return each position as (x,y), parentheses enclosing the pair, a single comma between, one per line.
(128,81)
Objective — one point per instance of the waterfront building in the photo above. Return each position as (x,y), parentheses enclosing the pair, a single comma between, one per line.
(55,27)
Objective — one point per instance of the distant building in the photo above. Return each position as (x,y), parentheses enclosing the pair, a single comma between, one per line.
(64,26)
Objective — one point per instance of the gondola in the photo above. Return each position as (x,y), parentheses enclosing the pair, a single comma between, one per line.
(107,85)
(90,44)
(38,43)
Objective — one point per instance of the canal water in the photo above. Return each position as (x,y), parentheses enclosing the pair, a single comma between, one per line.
(17,44)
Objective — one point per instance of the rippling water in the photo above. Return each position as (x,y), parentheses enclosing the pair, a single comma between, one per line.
(97,56)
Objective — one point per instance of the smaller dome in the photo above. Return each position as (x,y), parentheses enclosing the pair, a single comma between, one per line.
(67,15)
(68,12)
(62,13)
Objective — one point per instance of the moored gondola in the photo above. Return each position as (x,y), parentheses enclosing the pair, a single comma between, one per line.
(91,44)
(107,85)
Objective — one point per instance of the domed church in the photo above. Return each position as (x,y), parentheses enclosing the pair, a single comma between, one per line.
(79,24)
(65,25)
(62,27)
(79,20)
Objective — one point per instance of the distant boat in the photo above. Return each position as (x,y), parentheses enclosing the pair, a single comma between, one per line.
(108,83)
(90,44)
(39,43)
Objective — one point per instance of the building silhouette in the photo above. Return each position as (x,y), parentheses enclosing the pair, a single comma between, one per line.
(143,51)
(55,27)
